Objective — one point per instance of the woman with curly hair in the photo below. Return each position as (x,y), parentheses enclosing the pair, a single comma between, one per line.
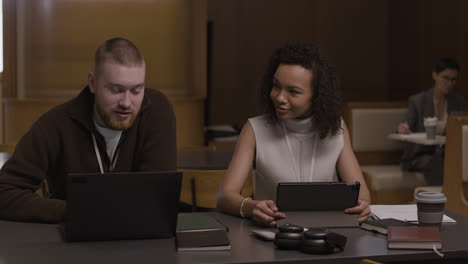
(301,137)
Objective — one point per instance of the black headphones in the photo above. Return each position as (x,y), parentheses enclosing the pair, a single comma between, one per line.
(289,236)
(312,241)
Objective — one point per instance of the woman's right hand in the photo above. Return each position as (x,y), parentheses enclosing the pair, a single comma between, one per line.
(266,213)
(403,128)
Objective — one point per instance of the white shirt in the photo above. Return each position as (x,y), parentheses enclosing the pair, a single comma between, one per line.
(290,151)
(112,138)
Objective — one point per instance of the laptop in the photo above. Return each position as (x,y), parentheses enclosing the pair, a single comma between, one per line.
(318,204)
(117,206)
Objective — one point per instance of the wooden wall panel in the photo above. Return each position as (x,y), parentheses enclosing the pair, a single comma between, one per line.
(9,48)
(421,32)
(384,50)
(58,40)
(50,48)
(352,33)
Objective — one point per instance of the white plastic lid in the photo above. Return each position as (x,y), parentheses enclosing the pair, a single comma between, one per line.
(430,121)
(431,197)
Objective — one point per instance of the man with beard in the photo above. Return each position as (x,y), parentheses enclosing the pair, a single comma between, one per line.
(114,125)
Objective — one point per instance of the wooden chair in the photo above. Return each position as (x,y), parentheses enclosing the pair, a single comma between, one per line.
(369,125)
(368,261)
(456,165)
(29,110)
(196,147)
(200,187)
(221,145)
(43,191)
(10,148)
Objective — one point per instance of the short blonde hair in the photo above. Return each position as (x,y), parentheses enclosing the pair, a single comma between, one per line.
(119,50)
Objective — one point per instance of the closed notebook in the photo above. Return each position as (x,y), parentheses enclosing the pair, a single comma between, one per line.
(202,240)
(200,232)
(381,225)
(414,237)
(191,222)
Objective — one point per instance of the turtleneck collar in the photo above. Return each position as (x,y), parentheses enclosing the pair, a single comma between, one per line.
(301,126)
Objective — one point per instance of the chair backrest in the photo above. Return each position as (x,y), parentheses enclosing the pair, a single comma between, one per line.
(368,261)
(29,110)
(465,153)
(369,125)
(455,168)
(200,187)
(9,148)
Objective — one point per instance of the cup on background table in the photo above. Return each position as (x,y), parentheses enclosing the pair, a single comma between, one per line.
(431,207)
(430,125)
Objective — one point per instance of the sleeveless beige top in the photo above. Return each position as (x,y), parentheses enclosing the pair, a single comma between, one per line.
(290,151)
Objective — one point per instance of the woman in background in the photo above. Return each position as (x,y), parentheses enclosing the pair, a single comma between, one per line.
(439,102)
(300,138)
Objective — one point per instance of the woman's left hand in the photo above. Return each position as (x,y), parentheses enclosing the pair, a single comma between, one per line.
(362,209)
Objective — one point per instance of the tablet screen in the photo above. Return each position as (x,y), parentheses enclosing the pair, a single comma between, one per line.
(317,196)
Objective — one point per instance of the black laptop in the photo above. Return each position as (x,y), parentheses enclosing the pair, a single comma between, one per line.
(115,206)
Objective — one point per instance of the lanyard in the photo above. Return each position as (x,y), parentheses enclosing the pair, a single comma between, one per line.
(312,160)
(98,156)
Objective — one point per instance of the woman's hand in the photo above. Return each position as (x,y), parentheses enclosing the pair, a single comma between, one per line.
(362,209)
(266,213)
(403,128)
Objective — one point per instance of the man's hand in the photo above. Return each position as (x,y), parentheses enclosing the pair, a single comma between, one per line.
(266,213)
(362,209)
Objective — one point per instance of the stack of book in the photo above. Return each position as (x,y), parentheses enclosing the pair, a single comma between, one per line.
(200,232)
(414,237)
(381,225)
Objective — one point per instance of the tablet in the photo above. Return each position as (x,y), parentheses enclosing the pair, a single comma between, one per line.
(317,196)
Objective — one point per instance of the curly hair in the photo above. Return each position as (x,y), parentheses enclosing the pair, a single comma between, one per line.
(326,101)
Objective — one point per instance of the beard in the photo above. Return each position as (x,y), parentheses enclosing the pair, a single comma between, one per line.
(112,122)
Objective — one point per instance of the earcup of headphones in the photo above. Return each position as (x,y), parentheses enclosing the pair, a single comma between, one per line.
(316,233)
(286,240)
(316,246)
(290,228)
(289,236)
(283,243)
(283,235)
(315,242)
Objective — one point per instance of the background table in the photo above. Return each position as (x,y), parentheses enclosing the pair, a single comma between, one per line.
(204,159)
(4,156)
(418,138)
(42,243)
